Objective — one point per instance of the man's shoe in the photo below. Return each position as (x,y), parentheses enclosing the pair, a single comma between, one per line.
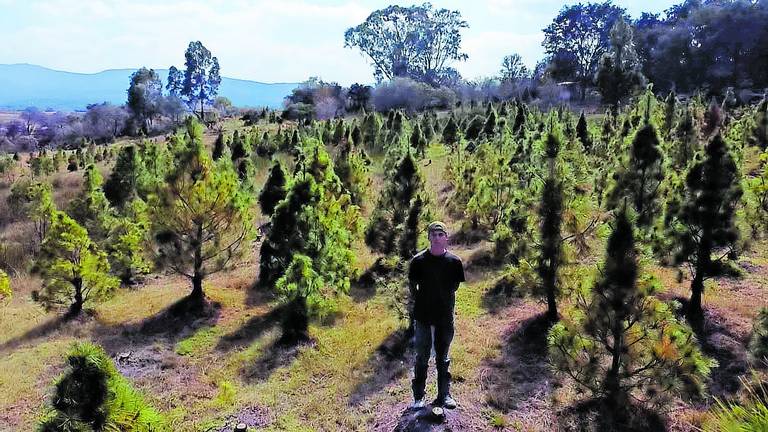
(418,404)
(445,402)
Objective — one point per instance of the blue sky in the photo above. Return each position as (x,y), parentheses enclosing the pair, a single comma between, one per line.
(262,40)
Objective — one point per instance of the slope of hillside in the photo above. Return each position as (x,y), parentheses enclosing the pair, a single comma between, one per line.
(23,85)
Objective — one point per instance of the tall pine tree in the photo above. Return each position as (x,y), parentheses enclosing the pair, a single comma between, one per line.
(705,219)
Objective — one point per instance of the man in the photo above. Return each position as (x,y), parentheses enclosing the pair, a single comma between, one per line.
(434,275)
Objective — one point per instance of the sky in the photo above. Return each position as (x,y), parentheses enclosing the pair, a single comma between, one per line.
(260,40)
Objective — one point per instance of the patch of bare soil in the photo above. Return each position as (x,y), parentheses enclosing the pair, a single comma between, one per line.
(251,417)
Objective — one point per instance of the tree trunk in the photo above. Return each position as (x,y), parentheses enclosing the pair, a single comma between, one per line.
(77,305)
(551,300)
(296,321)
(197,277)
(697,284)
(612,384)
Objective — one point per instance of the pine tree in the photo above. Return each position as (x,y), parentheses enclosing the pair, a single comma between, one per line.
(474,128)
(73,269)
(760,129)
(338,132)
(551,218)
(427,127)
(127,241)
(704,221)
(357,136)
(758,340)
(393,205)
(92,395)
(238,145)
(201,215)
(352,171)
(123,183)
(713,118)
(642,179)
(451,131)
(274,190)
(489,128)
(35,200)
(219,146)
(91,207)
(618,74)
(417,141)
(307,254)
(670,113)
(583,133)
(517,127)
(371,128)
(408,240)
(685,141)
(619,341)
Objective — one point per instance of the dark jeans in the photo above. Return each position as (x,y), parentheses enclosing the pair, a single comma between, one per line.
(423,345)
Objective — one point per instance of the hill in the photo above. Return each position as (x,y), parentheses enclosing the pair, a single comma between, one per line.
(23,85)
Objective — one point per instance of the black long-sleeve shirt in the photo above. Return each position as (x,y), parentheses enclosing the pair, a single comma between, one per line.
(435,279)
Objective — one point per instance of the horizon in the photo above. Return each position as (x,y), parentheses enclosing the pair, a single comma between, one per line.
(103,35)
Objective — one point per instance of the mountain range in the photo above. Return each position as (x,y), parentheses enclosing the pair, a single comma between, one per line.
(24,85)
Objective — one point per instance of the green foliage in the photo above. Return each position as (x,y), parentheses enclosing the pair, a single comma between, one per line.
(124,181)
(685,141)
(704,219)
(201,215)
(273,191)
(92,395)
(41,165)
(451,131)
(618,74)
(351,168)
(760,129)
(7,163)
(72,267)
(5,286)
(641,180)
(218,146)
(371,128)
(201,77)
(410,236)
(670,113)
(756,197)
(385,226)
(749,415)
(127,241)
(35,200)
(583,133)
(417,141)
(758,341)
(308,251)
(619,341)
(91,207)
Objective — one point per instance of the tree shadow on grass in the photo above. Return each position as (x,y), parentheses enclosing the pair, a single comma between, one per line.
(520,376)
(170,325)
(253,329)
(45,329)
(502,294)
(366,285)
(719,342)
(280,353)
(595,415)
(388,363)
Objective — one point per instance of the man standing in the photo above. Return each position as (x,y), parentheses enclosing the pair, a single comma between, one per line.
(434,275)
